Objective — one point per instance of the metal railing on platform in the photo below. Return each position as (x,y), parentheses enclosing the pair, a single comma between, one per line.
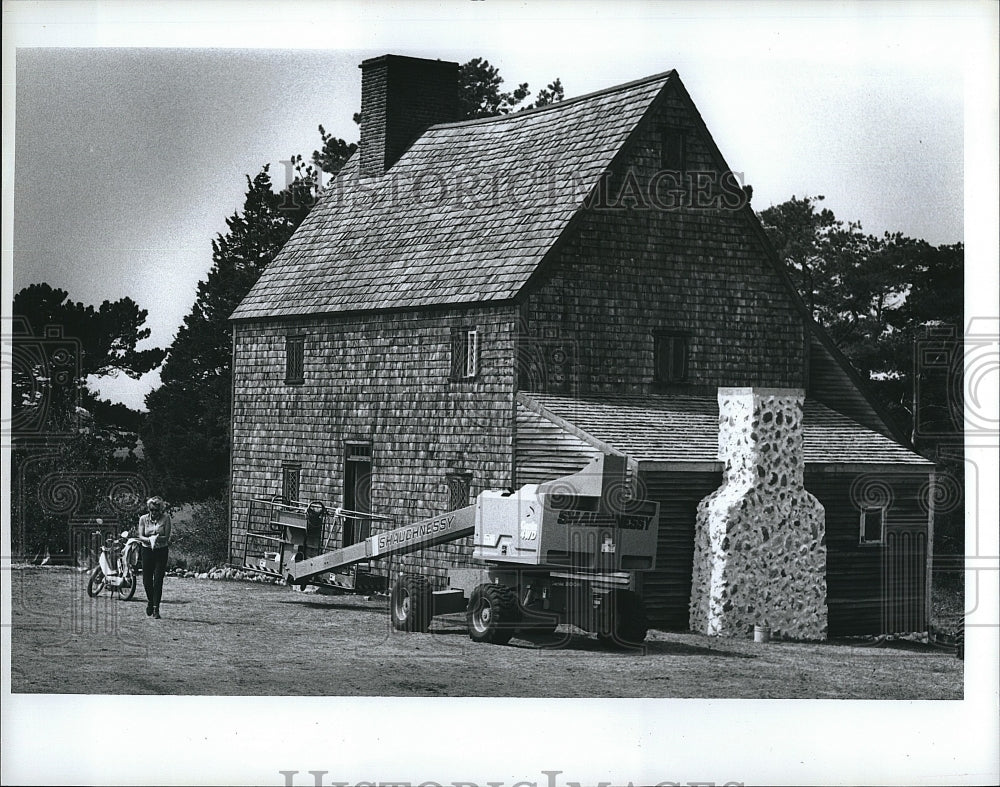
(264,535)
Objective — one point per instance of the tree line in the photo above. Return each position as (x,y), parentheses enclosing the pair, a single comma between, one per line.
(878,298)
(60,429)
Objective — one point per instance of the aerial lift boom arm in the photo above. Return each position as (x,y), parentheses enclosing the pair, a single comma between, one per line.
(401,541)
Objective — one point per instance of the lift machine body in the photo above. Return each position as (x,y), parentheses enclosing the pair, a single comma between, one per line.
(563,551)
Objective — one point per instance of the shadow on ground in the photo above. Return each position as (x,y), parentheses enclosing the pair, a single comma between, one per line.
(298,602)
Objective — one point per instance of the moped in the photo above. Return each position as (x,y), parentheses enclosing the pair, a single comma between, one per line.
(116,567)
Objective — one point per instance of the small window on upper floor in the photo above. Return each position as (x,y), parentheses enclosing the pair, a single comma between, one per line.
(291,473)
(872,525)
(673,153)
(459,490)
(464,353)
(670,358)
(295,352)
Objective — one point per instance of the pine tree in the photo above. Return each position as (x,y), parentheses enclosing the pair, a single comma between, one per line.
(65,442)
(479,93)
(894,307)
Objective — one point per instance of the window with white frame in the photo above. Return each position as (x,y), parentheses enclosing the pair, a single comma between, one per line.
(464,353)
(872,525)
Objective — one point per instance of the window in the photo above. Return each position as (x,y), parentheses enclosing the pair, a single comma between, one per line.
(459,488)
(358,451)
(295,350)
(672,149)
(290,474)
(670,357)
(872,525)
(464,353)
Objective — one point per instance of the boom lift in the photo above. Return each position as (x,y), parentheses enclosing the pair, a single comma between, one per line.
(561,551)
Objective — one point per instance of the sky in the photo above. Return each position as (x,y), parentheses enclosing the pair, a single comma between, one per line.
(128,131)
(127,160)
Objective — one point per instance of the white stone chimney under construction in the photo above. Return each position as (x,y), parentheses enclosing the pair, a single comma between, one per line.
(760,553)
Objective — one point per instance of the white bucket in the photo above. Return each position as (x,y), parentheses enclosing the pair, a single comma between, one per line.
(761,633)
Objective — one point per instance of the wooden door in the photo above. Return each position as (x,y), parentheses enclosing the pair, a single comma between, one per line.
(357,491)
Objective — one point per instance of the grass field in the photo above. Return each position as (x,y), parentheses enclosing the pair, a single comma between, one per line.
(240,638)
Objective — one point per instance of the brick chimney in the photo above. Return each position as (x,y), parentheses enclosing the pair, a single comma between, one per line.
(401,97)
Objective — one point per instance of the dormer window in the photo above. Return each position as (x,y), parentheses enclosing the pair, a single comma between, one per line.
(464,353)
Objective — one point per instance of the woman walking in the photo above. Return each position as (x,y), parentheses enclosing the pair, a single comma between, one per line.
(154,535)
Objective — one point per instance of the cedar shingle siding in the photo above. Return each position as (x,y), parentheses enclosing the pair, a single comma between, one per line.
(557,237)
(386,380)
(625,275)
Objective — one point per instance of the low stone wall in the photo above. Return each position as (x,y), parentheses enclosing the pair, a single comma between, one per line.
(760,555)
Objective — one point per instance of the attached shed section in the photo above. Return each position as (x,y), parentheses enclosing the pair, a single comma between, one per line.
(874,490)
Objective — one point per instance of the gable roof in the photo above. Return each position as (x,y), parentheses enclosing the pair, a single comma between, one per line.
(512,184)
(470,211)
(868,410)
(685,429)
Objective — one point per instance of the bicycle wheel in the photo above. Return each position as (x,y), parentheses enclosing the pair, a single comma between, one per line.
(127,588)
(96,584)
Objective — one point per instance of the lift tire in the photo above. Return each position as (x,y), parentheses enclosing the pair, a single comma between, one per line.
(411,605)
(621,619)
(493,614)
(299,557)
(96,583)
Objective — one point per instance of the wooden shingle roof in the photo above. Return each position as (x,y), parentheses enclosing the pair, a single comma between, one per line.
(465,215)
(662,428)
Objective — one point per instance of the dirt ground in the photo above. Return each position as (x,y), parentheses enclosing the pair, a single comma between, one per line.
(240,638)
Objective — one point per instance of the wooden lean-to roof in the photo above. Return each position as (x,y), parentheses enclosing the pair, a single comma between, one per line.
(464,216)
(685,429)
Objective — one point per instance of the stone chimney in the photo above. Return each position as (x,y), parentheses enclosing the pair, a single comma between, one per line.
(401,97)
(760,553)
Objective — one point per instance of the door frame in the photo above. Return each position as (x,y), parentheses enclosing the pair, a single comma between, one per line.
(357,468)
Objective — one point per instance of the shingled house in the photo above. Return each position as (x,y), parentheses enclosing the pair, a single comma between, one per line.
(483,304)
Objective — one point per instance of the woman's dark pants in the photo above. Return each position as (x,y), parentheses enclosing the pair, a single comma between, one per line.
(154,566)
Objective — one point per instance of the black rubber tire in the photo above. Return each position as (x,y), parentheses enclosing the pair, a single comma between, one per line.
(960,644)
(411,605)
(621,620)
(493,614)
(127,591)
(96,583)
